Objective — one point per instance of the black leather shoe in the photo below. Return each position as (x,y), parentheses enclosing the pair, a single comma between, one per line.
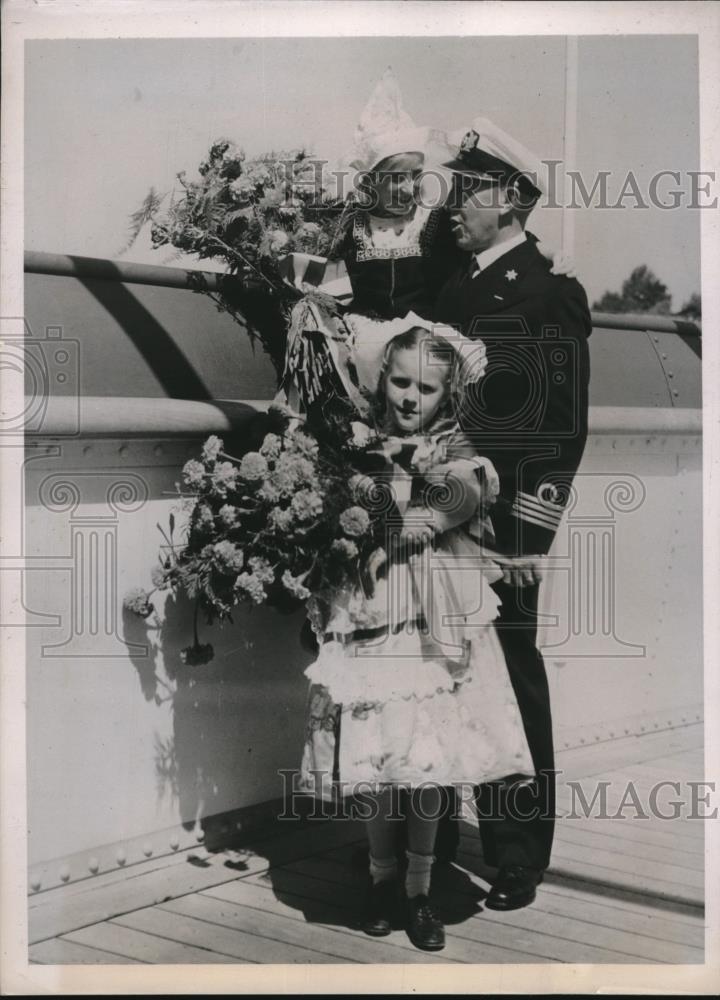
(424,927)
(380,908)
(513,888)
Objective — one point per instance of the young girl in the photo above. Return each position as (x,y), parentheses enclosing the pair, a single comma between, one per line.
(410,689)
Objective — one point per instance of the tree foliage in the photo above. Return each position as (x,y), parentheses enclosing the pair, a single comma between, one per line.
(692,308)
(642,292)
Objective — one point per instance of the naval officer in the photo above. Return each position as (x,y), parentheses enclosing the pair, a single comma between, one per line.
(529,416)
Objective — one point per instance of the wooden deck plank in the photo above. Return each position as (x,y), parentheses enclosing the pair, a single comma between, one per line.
(142,947)
(59,951)
(595,874)
(689,753)
(55,915)
(650,770)
(668,769)
(552,920)
(484,930)
(636,833)
(587,799)
(267,922)
(617,891)
(686,758)
(563,947)
(559,915)
(565,851)
(345,879)
(307,891)
(669,833)
(609,896)
(589,760)
(288,894)
(237,946)
(674,771)
(564,944)
(645,783)
(644,921)
(571,904)
(680,834)
(626,899)
(592,840)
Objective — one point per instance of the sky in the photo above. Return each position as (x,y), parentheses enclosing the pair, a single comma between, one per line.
(106,119)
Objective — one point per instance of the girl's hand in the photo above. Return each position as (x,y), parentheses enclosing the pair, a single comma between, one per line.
(252,281)
(370,572)
(418,527)
(563,263)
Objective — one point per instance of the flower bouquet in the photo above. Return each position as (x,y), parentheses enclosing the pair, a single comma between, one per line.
(295,519)
(250,213)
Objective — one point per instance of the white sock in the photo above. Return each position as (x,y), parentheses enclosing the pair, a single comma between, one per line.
(383,869)
(417,877)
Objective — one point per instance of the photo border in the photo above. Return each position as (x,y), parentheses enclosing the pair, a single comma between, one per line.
(25,19)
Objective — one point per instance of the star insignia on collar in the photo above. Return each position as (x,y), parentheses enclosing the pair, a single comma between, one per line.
(511,275)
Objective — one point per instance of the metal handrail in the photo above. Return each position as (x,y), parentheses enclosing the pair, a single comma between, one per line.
(99,268)
(141,416)
(71,266)
(645,321)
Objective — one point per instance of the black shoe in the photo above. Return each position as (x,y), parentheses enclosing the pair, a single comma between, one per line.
(424,927)
(380,908)
(513,888)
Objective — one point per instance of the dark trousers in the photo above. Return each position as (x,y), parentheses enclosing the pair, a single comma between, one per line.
(516,821)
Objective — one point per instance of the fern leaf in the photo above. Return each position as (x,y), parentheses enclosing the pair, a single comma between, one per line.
(149,207)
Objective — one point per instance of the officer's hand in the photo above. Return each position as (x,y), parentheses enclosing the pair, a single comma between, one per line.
(520,571)
(562,263)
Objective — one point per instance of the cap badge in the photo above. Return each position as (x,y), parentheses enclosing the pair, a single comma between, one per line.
(469,142)
(510,275)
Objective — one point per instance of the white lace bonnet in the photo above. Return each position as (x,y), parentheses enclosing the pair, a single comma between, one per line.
(369,340)
(386,129)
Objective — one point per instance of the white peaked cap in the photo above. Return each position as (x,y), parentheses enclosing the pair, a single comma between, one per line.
(386,129)
(497,143)
(370,338)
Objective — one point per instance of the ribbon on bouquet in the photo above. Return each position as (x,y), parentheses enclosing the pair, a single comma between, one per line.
(298,269)
(317,355)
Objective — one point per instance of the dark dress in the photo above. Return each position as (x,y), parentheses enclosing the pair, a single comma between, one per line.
(392,281)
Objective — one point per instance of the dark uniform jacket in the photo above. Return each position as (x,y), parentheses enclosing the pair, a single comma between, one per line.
(528,413)
(392,282)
